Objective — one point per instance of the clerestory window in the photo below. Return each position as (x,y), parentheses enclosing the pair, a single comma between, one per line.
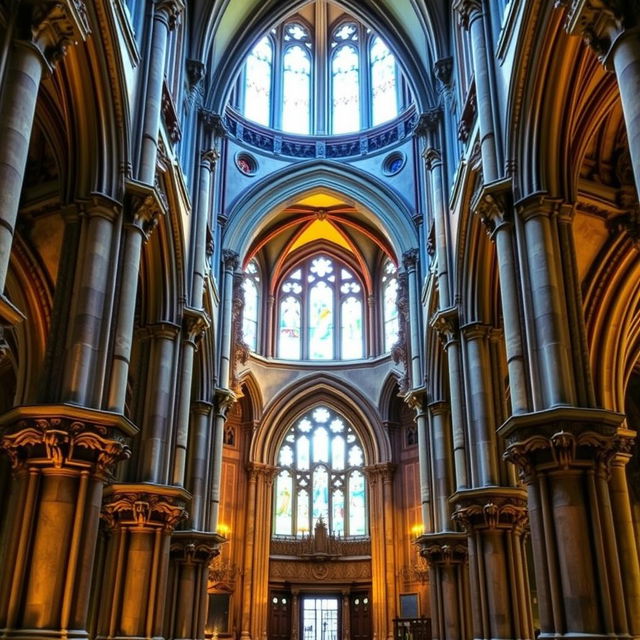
(321,476)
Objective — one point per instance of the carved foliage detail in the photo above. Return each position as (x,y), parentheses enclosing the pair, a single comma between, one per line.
(142,509)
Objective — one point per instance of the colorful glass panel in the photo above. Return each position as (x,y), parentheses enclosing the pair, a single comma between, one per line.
(284,505)
(321,445)
(337,452)
(257,88)
(384,92)
(351,334)
(289,338)
(345,87)
(321,322)
(302,450)
(337,512)
(320,496)
(390,306)
(250,313)
(296,90)
(357,510)
(302,527)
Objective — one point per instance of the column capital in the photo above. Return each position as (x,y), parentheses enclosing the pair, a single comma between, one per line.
(494,205)
(195,547)
(491,508)
(142,505)
(476,331)
(439,408)
(447,548)
(212,122)
(55,26)
(469,10)
(163,330)
(442,70)
(383,471)
(565,439)
(538,204)
(209,158)
(144,206)
(600,22)
(65,437)
(260,470)
(195,323)
(224,399)
(230,259)
(410,259)
(432,158)
(169,10)
(446,324)
(100,205)
(428,121)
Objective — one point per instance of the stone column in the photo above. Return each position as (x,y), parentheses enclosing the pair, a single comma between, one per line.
(410,260)
(199,449)
(143,208)
(158,418)
(495,519)
(495,207)
(165,15)
(141,518)
(610,28)
(565,456)
(88,317)
(472,18)
(51,27)
(295,614)
(346,611)
(249,545)
(442,471)
(445,322)
(191,554)
(61,457)
(446,554)
(195,323)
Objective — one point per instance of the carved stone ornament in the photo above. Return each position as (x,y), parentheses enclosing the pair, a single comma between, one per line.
(494,205)
(468,116)
(240,349)
(144,506)
(443,548)
(170,9)
(400,349)
(213,123)
(195,72)
(170,115)
(494,508)
(55,26)
(230,259)
(195,323)
(65,437)
(195,547)
(144,206)
(567,439)
(466,9)
(446,324)
(428,121)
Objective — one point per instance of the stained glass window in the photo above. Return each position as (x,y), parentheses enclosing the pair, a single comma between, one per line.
(390,307)
(250,286)
(332,326)
(320,477)
(384,91)
(296,89)
(257,86)
(345,89)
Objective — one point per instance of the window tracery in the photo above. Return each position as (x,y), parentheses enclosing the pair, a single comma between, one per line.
(250,289)
(321,477)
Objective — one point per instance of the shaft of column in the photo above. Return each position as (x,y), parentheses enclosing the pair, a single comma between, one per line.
(157,421)
(410,259)
(61,457)
(442,463)
(423,466)
(230,266)
(199,452)
(90,312)
(247,573)
(216,468)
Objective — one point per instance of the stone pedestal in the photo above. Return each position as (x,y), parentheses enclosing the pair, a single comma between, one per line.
(565,457)
(141,518)
(446,554)
(495,520)
(61,456)
(191,553)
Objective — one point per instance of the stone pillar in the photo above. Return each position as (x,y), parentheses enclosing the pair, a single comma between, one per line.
(416,400)
(442,471)
(495,519)
(143,208)
(410,260)
(346,611)
(472,18)
(141,518)
(51,28)
(199,450)
(565,456)
(195,323)
(249,545)
(295,614)
(191,554)
(446,554)
(445,322)
(165,15)
(495,207)
(610,28)
(61,457)
(86,334)
(158,418)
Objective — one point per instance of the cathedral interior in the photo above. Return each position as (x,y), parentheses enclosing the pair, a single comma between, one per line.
(320,319)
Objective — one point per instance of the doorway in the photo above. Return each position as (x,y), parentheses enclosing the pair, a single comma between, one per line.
(320,618)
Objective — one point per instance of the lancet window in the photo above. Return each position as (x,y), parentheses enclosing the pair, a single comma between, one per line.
(320,477)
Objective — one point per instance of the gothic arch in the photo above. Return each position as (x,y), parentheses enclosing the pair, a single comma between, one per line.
(255,210)
(305,394)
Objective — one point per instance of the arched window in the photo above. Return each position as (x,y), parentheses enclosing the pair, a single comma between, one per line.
(320,476)
(320,312)
(345,80)
(250,288)
(257,85)
(390,307)
(384,85)
(296,90)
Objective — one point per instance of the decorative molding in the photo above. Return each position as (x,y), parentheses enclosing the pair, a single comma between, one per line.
(170,115)
(446,549)
(428,121)
(195,323)
(468,115)
(195,547)
(148,506)
(468,10)
(144,206)
(230,259)
(171,10)
(447,325)
(400,349)
(340,571)
(494,205)
(65,438)
(491,508)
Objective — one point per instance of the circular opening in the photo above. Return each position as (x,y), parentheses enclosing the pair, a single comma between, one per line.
(246,164)
(393,163)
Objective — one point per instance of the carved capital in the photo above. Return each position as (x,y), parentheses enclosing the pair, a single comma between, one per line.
(410,259)
(230,259)
(565,439)
(476,331)
(443,549)
(442,70)
(494,205)
(55,26)
(61,437)
(213,123)
(383,472)
(432,158)
(446,324)
(195,72)
(210,157)
(148,506)
(468,10)
(195,547)
(428,121)
(163,330)
(144,207)
(491,508)
(224,399)
(264,472)
(169,10)
(538,205)
(600,22)
(195,323)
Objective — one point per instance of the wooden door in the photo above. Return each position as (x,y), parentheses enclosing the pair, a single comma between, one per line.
(280,615)
(360,615)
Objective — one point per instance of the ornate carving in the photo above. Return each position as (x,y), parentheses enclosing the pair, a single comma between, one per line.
(210,157)
(428,121)
(213,123)
(400,350)
(468,116)
(144,207)
(195,73)
(494,205)
(170,116)
(230,259)
(446,324)
(170,9)
(340,571)
(195,323)
(320,546)
(432,158)
(495,508)
(223,571)
(443,548)
(442,70)
(467,9)
(194,547)
(64,441)
(140,505)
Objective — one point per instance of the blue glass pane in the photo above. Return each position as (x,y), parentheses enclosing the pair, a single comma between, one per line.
(321,322)
(284,506)
(296,90)
(257,88)
(345,87)
(289,338)
(337,512)
(320,495)
(357,518)
(303,513)
(351,336)
(250,313)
